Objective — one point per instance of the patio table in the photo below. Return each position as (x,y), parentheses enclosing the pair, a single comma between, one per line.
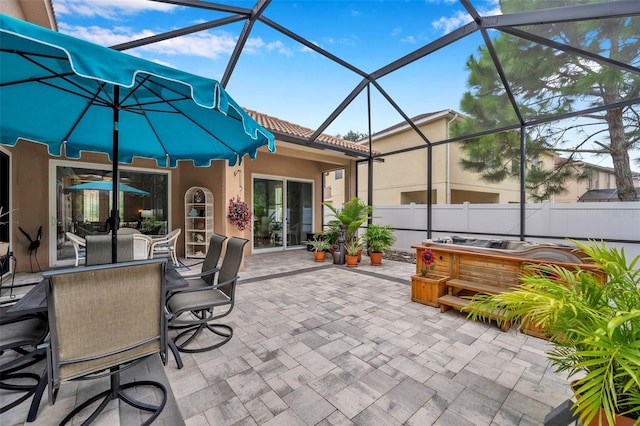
(35,301)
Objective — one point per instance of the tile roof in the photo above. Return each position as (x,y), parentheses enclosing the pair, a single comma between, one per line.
(302,134)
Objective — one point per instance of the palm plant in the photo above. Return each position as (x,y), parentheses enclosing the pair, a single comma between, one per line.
(353,214)
(379,238)
(592,322)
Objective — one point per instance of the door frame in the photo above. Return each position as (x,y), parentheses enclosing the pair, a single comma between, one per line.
(52,225)
(285,223)
(9,188)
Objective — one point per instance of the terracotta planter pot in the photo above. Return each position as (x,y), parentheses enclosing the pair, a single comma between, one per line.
(319,256)
(619,420)
(376,257)
(352,261)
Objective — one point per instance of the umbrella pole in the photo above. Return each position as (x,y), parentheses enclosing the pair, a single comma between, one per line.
(115,198)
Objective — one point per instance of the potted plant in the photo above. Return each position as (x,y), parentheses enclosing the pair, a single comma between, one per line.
(351,216)
(592,318)
(426,286)
(330,235)
(320,245)
(379,239)
(239,213)
(352,247)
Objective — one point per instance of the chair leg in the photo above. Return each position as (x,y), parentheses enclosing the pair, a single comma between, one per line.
(10,382)
(192,332)
(116,391)
(37,397)
(176,353)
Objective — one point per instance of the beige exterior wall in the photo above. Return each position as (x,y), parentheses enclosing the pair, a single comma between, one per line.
(39,12)
(31,188)
(600,179)
(292,162)
(402,178)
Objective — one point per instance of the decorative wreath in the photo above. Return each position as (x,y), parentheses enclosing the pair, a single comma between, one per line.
(239,213)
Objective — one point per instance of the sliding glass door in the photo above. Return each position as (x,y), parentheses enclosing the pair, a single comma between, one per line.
(83,199)
(282,213)
(5,210)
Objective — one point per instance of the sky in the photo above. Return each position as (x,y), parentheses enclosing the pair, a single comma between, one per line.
(278,76)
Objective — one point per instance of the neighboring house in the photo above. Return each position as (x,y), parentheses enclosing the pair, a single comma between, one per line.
(284,189)
(596,178)
(602,195)
(402,178)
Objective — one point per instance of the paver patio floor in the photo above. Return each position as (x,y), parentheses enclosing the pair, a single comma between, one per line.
(322,344)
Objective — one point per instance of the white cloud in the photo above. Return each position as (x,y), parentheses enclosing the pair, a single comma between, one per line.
(305,49)
(279,47)
(203,44)
(328,40)
(409,39)
(461,17)
(396,31)
(109,9)
(103,36)
(448,24)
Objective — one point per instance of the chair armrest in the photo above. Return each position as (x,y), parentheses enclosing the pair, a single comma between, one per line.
(224,283)
(201,274)
(199,289)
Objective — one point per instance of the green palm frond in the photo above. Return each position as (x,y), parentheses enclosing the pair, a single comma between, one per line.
(592,318)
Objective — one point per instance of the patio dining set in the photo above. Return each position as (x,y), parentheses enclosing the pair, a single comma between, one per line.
(100,319)
(132,245)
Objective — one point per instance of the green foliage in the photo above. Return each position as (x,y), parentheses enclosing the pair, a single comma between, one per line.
(352,136)
(594,326)
(353,214)
(353,246)
(546,81)
(330,234)
(319,244)
(379,238)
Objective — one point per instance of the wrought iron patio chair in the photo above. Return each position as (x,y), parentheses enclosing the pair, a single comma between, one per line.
(20,338)
(99,249)
(102,320)
(207,302)
(5,263)
(209,265)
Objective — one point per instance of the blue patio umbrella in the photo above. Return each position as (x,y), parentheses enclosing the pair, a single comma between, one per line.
(106,185)
(65,92)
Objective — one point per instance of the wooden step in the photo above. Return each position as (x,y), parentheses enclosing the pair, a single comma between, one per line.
(478,287)
(453,301)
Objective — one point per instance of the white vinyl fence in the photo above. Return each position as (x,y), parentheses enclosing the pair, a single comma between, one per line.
(600,221)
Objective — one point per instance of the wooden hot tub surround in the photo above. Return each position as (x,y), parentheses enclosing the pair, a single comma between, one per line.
(471,270)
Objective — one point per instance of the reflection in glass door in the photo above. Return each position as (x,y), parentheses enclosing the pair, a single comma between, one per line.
(299,218)
(84,211)
(5,211)
(272,227)
(267,213)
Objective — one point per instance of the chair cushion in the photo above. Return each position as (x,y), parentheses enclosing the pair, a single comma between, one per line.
(21,332)
(192,301)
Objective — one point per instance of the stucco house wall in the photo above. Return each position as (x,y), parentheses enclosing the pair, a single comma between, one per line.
(402,178)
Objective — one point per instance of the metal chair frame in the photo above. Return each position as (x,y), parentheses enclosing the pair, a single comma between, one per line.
(205,299)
